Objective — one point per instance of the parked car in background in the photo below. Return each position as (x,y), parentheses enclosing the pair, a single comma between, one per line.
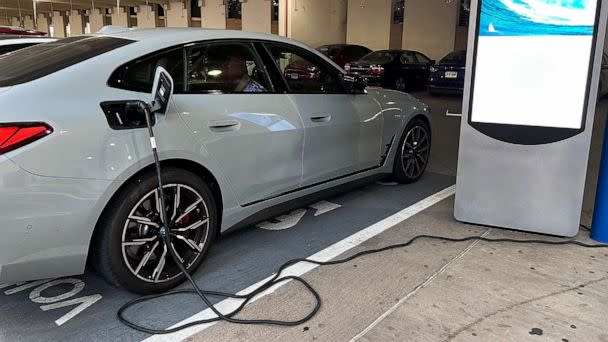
(342,54)
(603,90)
(240,142)
(20,31)
(398,69)
(447,76)
(10,43)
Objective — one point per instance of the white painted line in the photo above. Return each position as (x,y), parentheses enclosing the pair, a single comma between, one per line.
(447,113)
(301,268)
(417,288)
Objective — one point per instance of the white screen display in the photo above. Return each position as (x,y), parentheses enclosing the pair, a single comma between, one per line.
(532,62)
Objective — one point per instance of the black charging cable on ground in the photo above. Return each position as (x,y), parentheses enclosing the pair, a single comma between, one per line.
(277,278)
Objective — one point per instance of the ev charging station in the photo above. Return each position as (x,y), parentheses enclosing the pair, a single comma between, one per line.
(529,104)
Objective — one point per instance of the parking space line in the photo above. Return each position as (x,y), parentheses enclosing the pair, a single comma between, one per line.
(301,268)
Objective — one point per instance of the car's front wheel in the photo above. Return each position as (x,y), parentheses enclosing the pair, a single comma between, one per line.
(412,157)
(129,251)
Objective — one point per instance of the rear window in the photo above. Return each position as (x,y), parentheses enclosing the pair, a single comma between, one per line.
(458,57)
(379,57)
(44,59)
(330,50)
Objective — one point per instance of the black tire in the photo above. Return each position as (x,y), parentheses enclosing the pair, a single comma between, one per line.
(413,151)
(400,84)
(115,261)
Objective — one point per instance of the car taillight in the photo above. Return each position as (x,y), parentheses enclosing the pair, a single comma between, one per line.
(377,70)
(347,67)
(15,135)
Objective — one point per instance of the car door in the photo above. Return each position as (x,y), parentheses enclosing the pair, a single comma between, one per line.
(254,133)
(409,68)
(343,132)
(424,64)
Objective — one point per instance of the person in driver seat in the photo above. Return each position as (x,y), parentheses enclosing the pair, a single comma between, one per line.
(238,73)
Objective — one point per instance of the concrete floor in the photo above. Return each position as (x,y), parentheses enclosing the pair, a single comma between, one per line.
(435,291)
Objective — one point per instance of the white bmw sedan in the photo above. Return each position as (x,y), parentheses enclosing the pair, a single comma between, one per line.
(258,124)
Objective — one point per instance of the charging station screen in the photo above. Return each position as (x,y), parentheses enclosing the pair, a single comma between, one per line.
(532,62)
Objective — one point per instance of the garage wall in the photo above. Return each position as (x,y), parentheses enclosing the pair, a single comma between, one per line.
(42,22)
(177,15)
(213,15)
(96,20)
(369,23)
(119,17)
(76,24)
(315,22)
(430,27)
(58,24)
(146,17)
(257,16)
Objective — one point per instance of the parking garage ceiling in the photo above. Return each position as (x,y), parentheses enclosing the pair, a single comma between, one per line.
(19,8)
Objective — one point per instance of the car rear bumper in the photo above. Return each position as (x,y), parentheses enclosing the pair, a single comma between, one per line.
(45,223)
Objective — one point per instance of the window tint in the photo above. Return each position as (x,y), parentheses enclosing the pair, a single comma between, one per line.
(422,59)
(408,57)
(330,50)
(139,74)
(379,57)
(351,52)
(43,59)
(361,51)
(224,68)
(305,73)
(605,60)
(457,57)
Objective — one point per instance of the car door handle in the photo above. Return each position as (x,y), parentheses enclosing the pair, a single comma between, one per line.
(225,125)
(320,118)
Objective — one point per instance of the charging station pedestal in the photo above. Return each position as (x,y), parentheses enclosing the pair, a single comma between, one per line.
(530,96)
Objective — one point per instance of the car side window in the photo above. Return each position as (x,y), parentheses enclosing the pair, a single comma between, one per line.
(304,72)
(361,51)
(605,60)
(422,59)
(408,57)
(139,74)
(224,67)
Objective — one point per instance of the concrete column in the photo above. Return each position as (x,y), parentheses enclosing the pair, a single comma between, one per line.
(42,22)
(28,23)
(317,22)
(76,23)
(120,17)
(369,23)
(146,17)
(430,27)
(213,15)
(15,21)
(96,19)
(58,22)
(257,16)
(177,15)
(284,21)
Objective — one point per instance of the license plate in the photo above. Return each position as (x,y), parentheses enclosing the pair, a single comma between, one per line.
(295,76)
(451,74)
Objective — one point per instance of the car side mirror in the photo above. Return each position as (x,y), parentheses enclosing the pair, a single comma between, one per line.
(355,84)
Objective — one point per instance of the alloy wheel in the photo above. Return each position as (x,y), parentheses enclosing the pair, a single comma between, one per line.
(400,84)
(143,249)
(415,151)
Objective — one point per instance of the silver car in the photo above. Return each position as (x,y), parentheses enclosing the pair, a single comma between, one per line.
(258,124)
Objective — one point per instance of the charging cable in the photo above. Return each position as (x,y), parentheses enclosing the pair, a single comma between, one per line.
(278,278)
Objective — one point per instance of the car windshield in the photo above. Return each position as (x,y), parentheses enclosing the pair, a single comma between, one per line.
(43,59)
(457,57)
(379,57)
(329,50)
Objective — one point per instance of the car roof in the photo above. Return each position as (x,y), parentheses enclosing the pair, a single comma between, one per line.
(180,35)
(17,39)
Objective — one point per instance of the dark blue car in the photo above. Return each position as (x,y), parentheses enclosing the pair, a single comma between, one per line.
(447,76)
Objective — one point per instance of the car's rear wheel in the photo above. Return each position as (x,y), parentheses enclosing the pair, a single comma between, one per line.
(412,157)
(400,84)
(130,253)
